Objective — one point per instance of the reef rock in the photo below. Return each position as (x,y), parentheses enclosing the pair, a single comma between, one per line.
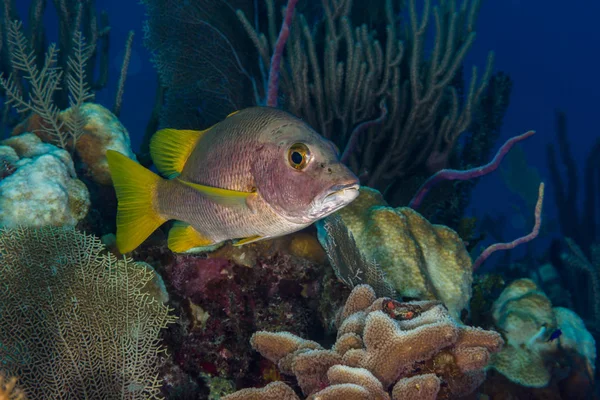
(38,185)
(102,131)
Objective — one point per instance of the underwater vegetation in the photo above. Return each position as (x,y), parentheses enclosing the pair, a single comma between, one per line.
(305,234)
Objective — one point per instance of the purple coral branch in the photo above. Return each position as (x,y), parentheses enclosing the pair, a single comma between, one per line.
(362,127)
(284,33)
(453,174)
(523,239)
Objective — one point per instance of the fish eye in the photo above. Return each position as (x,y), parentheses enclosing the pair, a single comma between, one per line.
(298,156)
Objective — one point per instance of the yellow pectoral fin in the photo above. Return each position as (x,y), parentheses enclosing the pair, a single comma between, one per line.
(182,237)
(224,197)
(250,239)
(171,148)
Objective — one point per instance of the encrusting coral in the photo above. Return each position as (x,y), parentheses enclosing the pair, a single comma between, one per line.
(421,260)
(416,350)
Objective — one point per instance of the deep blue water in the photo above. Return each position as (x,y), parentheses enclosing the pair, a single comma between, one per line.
(550,50)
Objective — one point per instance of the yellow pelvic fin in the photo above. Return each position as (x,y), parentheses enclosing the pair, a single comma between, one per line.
(135,186)
(224,197)
(233,113)
(171,148)
(182,237)
(247,240)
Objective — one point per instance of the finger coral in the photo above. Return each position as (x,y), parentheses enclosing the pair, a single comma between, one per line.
(412,350)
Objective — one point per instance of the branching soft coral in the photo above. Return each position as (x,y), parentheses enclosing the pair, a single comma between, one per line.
(44,82)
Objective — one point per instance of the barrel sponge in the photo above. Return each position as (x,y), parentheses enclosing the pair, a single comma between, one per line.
(40,187)
(421,260)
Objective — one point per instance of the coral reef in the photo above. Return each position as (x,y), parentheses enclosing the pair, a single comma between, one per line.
(421,260)
(340,70)
(83,324)
(528,321)
(226,295)
(415,347)
(101,131)
(42,187)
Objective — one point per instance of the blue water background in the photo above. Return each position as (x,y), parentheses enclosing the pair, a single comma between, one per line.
(549,48)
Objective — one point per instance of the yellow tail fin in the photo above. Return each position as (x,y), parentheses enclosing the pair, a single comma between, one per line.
(135,185)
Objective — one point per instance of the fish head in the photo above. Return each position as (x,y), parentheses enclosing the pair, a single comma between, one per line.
(299,174)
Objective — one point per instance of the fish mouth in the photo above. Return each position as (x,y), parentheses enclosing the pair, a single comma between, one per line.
(338,190)
(334,198)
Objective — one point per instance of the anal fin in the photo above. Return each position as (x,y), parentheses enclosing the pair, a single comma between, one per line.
(183,237)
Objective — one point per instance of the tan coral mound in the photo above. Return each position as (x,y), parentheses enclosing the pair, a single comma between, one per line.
(421,260)
(384,350)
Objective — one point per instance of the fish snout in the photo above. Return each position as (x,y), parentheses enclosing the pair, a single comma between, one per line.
(334,198)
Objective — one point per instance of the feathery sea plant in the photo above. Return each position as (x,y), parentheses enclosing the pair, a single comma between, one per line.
(44,82)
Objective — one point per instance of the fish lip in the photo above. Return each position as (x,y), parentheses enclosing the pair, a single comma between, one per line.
(337,189)
(334,198)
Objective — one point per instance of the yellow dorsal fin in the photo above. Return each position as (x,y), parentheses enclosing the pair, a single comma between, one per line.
(224,197)
(233,113)
(247,240)
(171,148)
(135,186)
(182,237)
